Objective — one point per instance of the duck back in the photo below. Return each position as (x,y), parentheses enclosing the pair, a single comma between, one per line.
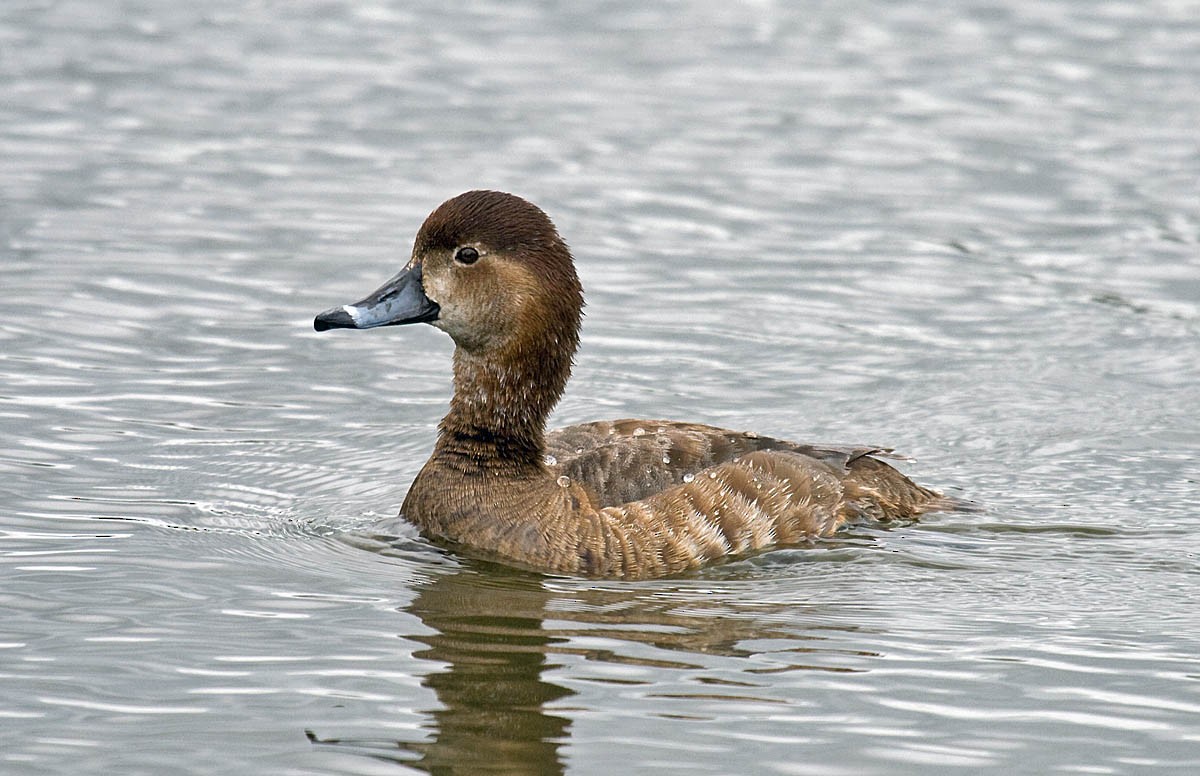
(629,459)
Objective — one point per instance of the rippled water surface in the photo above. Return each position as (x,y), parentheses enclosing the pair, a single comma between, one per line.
(970,231)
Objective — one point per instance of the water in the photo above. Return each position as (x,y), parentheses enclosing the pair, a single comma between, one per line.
(969,231)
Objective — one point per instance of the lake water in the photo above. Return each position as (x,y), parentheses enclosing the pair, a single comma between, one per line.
(970,231)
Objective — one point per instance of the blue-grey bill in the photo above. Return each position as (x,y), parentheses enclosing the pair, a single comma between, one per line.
(400,300)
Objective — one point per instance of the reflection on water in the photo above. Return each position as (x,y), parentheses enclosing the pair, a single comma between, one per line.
(491,632)
(493,717)
(498,633)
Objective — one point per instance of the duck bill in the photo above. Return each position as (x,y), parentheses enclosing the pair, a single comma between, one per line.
(400,300)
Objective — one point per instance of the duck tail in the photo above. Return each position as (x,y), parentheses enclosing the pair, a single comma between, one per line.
(876,491)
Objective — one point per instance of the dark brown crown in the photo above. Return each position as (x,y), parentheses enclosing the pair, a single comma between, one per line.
(503,222)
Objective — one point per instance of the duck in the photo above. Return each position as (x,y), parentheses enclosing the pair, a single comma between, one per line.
(622,499)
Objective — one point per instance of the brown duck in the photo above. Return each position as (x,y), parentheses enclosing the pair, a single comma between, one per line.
(622,498)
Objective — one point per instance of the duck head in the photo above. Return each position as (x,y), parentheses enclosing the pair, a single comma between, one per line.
(486,267)
(490,270)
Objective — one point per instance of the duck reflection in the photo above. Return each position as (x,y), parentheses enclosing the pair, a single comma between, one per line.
(498,631)
(494,717)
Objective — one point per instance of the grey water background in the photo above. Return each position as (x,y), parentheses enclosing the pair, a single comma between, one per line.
(970,231)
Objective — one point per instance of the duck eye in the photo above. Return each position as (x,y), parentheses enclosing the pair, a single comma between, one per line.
(467,255)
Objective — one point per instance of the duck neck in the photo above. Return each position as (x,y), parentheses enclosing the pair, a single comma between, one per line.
(497,418)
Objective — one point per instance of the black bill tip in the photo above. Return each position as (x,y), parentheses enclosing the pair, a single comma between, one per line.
(336,318)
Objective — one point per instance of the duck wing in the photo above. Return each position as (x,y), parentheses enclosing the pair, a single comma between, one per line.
(758,500)
(620,461)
